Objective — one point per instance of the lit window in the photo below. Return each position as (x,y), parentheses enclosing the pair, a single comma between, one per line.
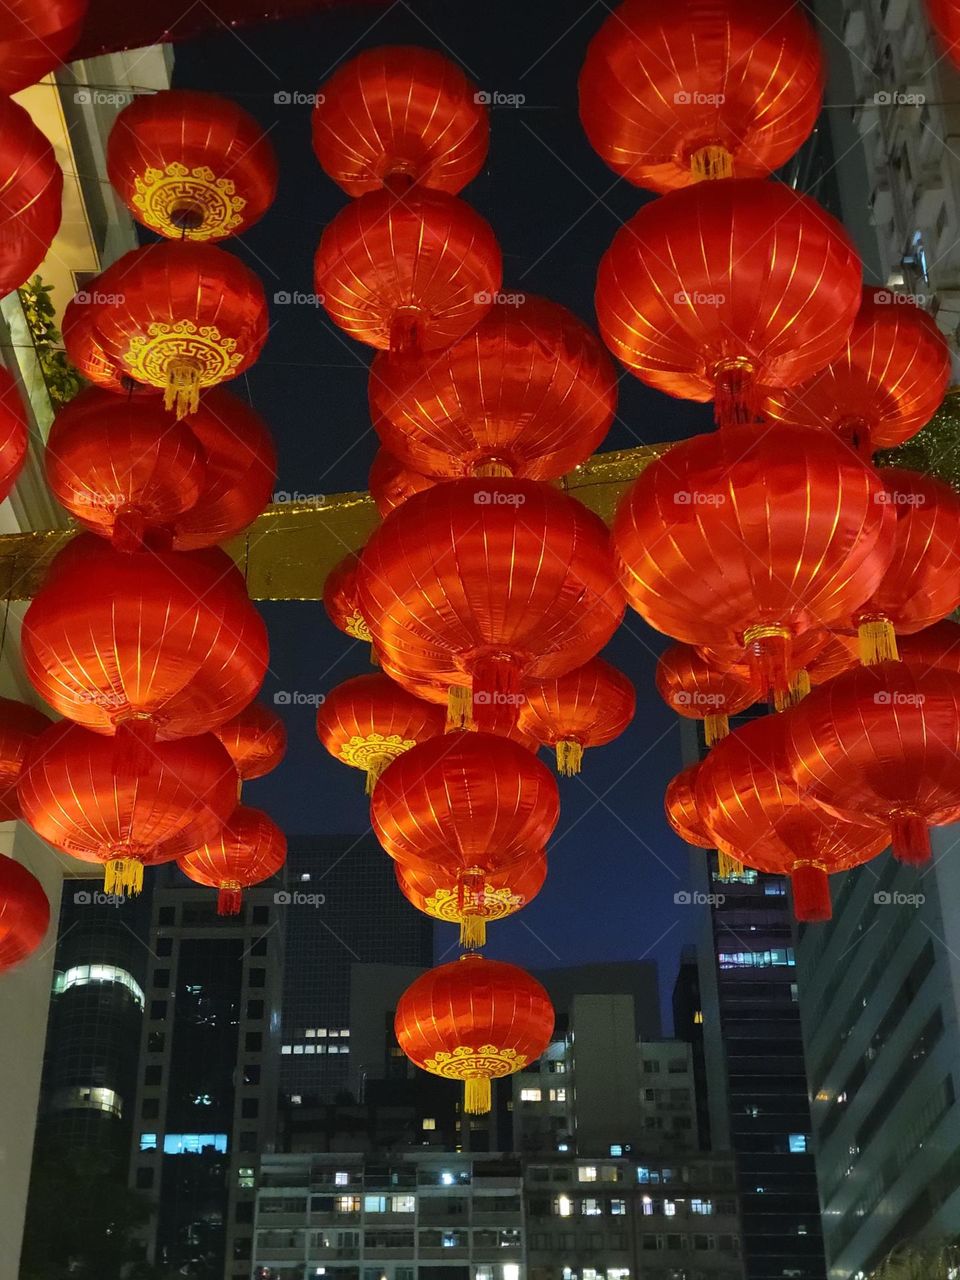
(429,1124)
(587,1173)
(563,1146)
(148,1142)
(298,1048)
(344,1031)
(82,974)
(511,1271)
(530,1095)
(374,1204)
(563,1206)
(296,1099)
(286,1048)
(669,1208)
(403,1204)
(618,1208)
(333,1034)
(310,1033)
(798,1143)
(321,1031)
(245,1177)
(309,1048)
(618,1273)
(341,1178)
(591,1208)
(698,1018)
(616,1149)
(178,1144)
(348,1204)
(304,877)
(87,1098)
(558,1095)
(701,1206)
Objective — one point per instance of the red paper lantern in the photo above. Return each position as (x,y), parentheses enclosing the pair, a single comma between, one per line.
(490,583)
(882,744)
(241,471)
(695,689)
(341,599)
(413,272)
(24,913)
(529,392)
(368,721)
(163,644)
(31,188)
(391,483)
(944,17)
(680,807)
(188,316)
(748,798)
(248,848)
(122,467)
(400,114)
(669,96)
(256,741)
(19,725)
(466,806)
(191,165)
(76,793)
(718,289)
(86,348)
(13,433)
(886,383)
(503,893)
(474,1020)
(35,37)
(587,707)
(747,538)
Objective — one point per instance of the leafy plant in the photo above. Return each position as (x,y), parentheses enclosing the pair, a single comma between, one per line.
(61,379)
(936,449)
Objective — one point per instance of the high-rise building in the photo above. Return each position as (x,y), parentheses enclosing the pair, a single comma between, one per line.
(342,908)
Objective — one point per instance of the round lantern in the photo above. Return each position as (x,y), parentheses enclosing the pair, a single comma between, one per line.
(922,582)
(748,798)
(529,392)
(745,538)
(341,599)
(189,316)
(241,471)
(13,433)
(19,725)
(256,741)
(465,806)
(31,188)
(882,744)
(191,165)
(368,721)
(474,1020)
(24,913)
(503,893)
(669,96)
(148,643)
(697,690)
(685,819)
(944,17)
(936,646)
(35,37)
(122,466)
(718,289)
(587,707)
(391,483)
(86,349)
(248,848)
(490,583)
(413,272)
(76,794)
(400,115)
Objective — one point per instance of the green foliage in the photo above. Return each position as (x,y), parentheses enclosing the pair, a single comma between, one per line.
(937,1261)
(936,449)
(60,377)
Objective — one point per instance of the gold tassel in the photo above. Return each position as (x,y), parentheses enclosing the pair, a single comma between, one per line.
(878,642)
(715,727)
(182,392)
(795,692)
(493,467)
(728,866)
(122,876)
(459,707)
(711,161)
(476,1096)
(569,757)
(374,769)
(473,932)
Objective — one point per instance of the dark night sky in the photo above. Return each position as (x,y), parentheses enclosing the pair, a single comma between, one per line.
(614,864)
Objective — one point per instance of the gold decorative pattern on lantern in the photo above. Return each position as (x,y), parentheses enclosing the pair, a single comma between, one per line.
(365,753)
(182,358)
(466,1063)
(490,903)
(356,626)
(177,201)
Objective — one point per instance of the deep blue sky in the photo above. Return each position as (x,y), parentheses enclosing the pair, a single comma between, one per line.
(555,208)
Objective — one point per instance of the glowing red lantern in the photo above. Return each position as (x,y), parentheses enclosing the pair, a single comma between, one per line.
(669,96)
(368,721)
(587,707)
(86,348)
(528,392)
(189,316)
(256,741)
(748,798)
(474,1020)
(503,893)
(163,644)
(746,538)
(886,383)
(190,165)
(391,483)
(13,433)
(694,688)
(341,599)
(490,583)
(413,272)
(685,819)
(19,725)
(839,654)
(398,115)
(944,17)
(35,37)
(720,288)
(247,849)
(122,467)
(31,188)
(882,744)
(76,794)
(24,913)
